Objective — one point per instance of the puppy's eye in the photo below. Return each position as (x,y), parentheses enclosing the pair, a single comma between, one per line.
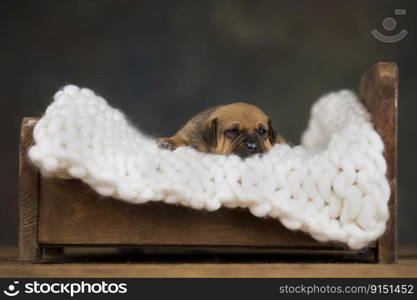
(262,131)
(231,132)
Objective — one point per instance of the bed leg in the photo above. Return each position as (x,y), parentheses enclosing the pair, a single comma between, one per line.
(378,90)
(29,249)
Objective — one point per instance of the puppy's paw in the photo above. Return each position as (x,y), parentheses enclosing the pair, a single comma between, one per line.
(166,143)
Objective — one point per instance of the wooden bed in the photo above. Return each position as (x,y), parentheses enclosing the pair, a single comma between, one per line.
(58,213)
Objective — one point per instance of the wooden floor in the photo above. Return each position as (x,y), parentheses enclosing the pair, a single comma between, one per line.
(11,267)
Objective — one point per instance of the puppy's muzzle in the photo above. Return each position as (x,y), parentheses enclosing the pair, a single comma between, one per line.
(251,144)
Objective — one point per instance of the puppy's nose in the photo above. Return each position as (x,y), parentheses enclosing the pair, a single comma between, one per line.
(251,144)
(252,147)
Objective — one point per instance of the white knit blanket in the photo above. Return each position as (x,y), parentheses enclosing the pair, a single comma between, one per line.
(333,186)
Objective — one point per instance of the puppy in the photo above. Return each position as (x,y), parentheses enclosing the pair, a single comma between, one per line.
(237,128)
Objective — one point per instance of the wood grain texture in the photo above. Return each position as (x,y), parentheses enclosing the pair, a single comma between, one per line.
(28,196)
(72,213)
(379,91)
(10,267)
(404,268)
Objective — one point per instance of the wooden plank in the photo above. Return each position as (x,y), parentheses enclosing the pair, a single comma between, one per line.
(379,91)
(28,196)
(405,268)
(72,213)
(10,267)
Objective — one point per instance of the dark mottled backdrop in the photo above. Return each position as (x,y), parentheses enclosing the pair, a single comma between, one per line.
(163,61)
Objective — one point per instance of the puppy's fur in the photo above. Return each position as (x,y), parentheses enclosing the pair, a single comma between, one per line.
(237,128)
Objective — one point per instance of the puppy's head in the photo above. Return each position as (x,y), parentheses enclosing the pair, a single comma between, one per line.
(240,129)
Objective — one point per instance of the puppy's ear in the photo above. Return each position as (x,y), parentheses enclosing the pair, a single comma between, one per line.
(210,132)
(272,133)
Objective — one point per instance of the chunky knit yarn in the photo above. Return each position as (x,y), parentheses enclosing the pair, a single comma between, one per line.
(333,186)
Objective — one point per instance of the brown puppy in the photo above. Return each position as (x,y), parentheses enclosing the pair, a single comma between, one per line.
(237,128)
